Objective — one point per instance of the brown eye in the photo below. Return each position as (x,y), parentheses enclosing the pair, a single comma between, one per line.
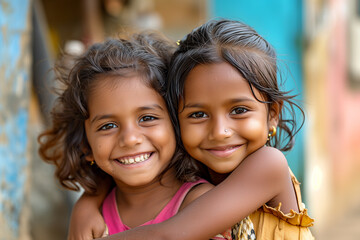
(239,110)
(108,126)
(147,118)
(198,115)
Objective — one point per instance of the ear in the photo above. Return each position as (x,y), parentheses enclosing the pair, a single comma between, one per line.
(274,114)
(89,157)
(88,154)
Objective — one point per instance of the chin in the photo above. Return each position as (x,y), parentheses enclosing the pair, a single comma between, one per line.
(141,181)
(224,169)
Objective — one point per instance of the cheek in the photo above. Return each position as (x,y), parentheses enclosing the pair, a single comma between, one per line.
(100,150)
(166,138)
(101,147)
(255,130)
(190,135)
(185,137)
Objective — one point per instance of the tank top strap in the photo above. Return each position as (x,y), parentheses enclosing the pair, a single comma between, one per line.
(111,214)
(174,204)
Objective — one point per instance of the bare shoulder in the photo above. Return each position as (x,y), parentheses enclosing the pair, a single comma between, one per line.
(272,173)
(269,154)
(271,163)
(196,192)
(269,159)
(263,175)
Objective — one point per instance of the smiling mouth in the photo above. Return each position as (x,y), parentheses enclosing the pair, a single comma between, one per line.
(134,159)
(225,151)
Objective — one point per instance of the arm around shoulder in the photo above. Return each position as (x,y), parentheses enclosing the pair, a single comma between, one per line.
(196,192)
(252,184)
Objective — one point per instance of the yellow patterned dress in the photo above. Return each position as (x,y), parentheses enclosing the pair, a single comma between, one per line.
(272,223)
(243,230)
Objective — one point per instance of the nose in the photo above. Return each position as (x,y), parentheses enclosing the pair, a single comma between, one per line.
(220,129)
(130,136)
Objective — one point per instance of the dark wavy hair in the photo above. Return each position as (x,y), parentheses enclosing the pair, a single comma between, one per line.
(233,42)
(64,144)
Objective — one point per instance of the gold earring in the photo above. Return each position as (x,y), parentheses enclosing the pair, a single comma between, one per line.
(272,133)
(92,162)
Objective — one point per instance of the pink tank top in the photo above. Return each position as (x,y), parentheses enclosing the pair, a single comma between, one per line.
(113,220)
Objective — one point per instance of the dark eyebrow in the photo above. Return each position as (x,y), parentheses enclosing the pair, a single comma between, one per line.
(100,117)
(233,100)
(106,116)
(243,99)
(152,106)
(193,105)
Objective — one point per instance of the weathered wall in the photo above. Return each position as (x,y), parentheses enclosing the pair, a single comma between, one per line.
(15,62)
(333,152)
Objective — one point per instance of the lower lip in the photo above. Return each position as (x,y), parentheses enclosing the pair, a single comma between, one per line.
(223,153)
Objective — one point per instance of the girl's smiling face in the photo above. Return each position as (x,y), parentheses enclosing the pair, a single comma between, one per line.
(129,130)
(221,121)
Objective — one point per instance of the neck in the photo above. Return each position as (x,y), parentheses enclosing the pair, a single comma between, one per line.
(216,177)
(137,205)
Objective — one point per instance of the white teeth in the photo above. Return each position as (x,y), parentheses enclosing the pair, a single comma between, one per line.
(137,159)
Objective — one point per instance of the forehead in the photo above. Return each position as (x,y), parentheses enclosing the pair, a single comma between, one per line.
(122,91)
(219,73)
(216,81)
(113,77)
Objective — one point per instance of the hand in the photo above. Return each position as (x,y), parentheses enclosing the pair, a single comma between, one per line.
(86,221)
(89,227)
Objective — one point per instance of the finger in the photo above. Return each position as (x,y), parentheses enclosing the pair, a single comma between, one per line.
(100,231)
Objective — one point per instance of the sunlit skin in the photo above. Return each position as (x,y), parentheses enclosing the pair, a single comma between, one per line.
(129,120)
(218,129)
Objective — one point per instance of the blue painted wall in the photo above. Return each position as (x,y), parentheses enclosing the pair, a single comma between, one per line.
(14,100)
(280,22)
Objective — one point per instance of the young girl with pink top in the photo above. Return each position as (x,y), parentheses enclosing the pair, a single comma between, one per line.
(111,121)
(224,95)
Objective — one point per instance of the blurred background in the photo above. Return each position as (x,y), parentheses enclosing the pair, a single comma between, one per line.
(318,45)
